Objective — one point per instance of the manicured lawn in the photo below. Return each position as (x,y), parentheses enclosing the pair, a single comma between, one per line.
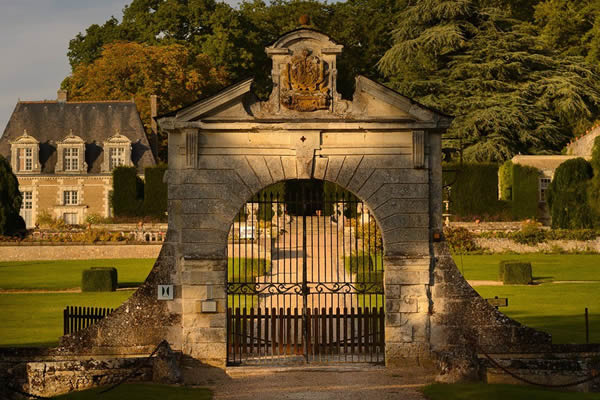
(66,274)
(479,391)
(555,308)
(36,319)
(546,267)
(142,392)
(240,269)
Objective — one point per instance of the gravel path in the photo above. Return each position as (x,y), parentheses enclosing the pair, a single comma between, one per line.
(319,383)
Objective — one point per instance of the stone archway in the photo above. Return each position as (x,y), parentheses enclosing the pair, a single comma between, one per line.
(381,146)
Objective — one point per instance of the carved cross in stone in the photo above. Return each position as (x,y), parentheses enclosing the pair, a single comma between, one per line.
(303,139)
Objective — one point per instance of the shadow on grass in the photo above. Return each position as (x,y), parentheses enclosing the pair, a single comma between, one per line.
(129,285)
(32,344)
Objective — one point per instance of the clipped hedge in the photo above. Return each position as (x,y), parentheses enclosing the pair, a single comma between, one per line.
(525,195)
(505,180)
(567,195)
(128,189)
(155,191)
(99,279)
(474,189)
(515,272)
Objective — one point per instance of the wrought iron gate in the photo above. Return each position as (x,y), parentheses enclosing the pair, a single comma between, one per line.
(305,279)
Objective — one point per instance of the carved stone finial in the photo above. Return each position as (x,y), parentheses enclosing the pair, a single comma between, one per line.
(25,132)
(304,19)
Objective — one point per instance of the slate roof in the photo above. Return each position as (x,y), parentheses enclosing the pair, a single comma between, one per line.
(94,121)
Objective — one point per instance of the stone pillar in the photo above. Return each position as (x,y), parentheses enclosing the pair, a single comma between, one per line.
(204,331)
(407,307)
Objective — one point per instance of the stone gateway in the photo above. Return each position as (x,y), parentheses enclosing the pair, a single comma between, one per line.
(381,146)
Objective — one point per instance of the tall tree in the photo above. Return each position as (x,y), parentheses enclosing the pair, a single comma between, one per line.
(133,70)
(571,26)
(10,200)
(510,93)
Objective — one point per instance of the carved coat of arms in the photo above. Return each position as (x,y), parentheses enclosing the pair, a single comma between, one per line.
(304,83)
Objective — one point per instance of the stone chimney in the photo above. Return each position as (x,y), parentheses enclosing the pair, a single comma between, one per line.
(62,96)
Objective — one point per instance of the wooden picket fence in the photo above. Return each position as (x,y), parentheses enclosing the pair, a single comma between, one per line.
(342,335)
(78,318)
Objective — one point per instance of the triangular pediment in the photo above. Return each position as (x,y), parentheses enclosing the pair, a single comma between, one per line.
(375,101)
(226,104)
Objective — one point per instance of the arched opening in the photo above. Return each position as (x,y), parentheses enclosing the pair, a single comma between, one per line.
(305,277)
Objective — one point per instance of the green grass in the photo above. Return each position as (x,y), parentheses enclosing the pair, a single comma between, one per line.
(555,308)
(546,267)
(66,274)
(478,391)
(36,319)
(141,391)
(240,269)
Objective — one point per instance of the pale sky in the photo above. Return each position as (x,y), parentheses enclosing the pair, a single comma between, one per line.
(34,37)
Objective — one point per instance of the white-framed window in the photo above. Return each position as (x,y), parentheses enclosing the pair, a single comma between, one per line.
(70,198)
(25,159)
(27,208)
(70,218)
(71,159)
(27,201)
(116,157)
(544,183)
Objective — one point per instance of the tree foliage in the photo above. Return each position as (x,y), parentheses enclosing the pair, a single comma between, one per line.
(127,70)
(567,195)
(128,192)
(509,91)
(10,200)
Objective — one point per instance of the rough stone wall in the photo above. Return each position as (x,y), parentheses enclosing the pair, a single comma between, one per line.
(33,252)
(139,324)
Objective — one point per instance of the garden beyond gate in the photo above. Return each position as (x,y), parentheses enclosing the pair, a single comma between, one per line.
(305,278)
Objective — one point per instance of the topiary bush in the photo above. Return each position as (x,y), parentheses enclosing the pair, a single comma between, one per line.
(567,195)
(512,272)
(99,279)
(128,192)
(525,191)
(505,180)
(155,191)
(593,190)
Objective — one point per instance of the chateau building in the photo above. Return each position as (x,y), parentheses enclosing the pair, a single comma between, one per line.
(63,153)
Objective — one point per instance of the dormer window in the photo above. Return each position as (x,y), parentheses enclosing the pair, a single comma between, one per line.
(25,154)
(71,161)
(117,152)
(71,154)
(25,159)
(117,157)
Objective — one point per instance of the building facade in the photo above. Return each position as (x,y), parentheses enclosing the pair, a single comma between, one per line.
(63,153)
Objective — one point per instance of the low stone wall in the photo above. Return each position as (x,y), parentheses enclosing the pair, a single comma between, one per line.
(76,251)
(558,365)
(551,246)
